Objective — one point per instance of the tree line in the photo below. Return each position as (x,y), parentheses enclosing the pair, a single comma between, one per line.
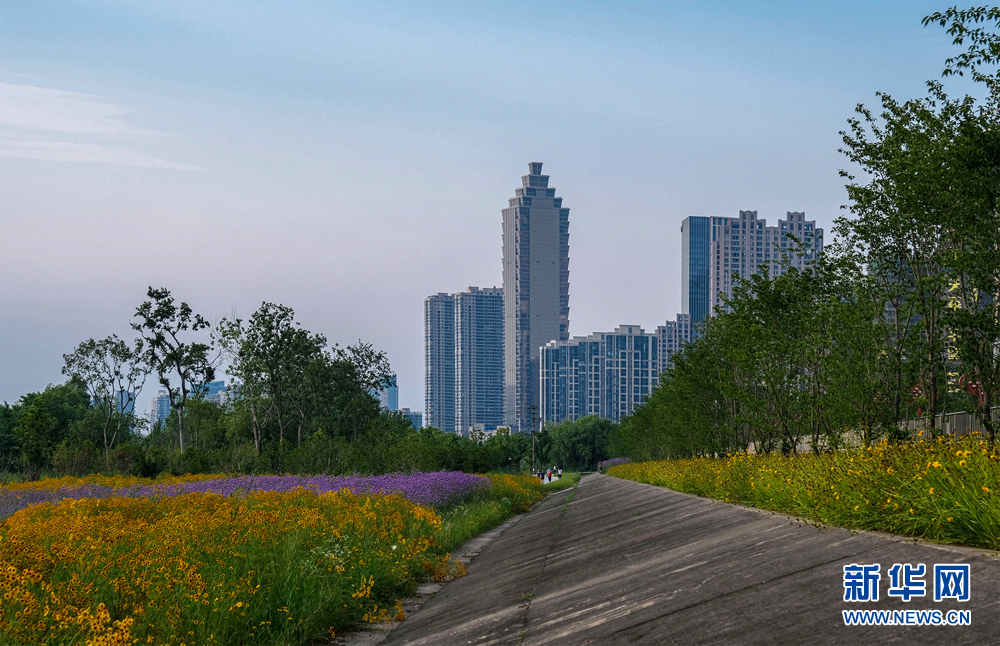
(898,319)
(295,404)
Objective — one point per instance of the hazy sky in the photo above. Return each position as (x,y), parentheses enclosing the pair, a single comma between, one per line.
(349,159)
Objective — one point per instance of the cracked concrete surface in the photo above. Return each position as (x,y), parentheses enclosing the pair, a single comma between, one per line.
(627,563)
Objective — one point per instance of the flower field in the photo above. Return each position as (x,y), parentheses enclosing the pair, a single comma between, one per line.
(227,560)
(433,489)
(943,490)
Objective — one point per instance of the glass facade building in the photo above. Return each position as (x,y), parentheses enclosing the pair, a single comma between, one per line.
(388,395)
(159,409)
(535,289)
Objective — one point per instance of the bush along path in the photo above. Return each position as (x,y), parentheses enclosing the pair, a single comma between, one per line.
(943,490)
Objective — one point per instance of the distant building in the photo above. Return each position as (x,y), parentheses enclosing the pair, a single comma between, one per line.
(535,289)
(159,409)
(607,374)
(126,402)
(696,239)
(388,395)
(415,417)
(439,361)
(215,392)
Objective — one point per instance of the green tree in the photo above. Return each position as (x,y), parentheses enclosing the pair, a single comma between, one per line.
(36,431)
(580,443)
(113,373)
(163,326)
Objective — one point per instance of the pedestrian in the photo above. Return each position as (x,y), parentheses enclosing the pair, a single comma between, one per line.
(560,472)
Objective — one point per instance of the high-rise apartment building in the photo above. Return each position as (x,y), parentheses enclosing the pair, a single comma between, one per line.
(439,361)
(159,409)
(464,335)
(744,243)
(606,374)
(714,248)
(535,289)
(479,359)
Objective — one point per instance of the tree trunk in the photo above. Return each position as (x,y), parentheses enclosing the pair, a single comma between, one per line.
(180,426)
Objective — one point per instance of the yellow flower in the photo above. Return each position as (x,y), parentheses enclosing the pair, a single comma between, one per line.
(961,463)
(932,490)
(986,489)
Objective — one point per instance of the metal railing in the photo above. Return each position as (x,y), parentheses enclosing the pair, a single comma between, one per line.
(957,424)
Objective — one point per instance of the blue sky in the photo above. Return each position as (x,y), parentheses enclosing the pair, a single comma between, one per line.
(349,159)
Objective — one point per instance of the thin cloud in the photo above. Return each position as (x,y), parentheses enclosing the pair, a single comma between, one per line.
(31,108)
(66,151)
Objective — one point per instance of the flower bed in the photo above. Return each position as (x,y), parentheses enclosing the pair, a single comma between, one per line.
(238,560)
(943,490)
(203,568)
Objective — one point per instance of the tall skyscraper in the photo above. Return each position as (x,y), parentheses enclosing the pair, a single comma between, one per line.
(535,289)
(439,361)
(479,385)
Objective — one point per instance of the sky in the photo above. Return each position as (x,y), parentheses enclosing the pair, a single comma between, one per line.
(348,159)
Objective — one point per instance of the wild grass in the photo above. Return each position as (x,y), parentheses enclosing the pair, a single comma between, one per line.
(943,490)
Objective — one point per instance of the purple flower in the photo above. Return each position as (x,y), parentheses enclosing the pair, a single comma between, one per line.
(434,489)
(614,462)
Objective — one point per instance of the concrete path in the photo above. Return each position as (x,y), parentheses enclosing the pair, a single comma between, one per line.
(617,562)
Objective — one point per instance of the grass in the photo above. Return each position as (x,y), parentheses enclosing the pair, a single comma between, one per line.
(568,479)
(943,490)
(487,508)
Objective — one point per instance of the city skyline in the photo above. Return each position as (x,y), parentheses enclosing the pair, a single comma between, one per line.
(351,168)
